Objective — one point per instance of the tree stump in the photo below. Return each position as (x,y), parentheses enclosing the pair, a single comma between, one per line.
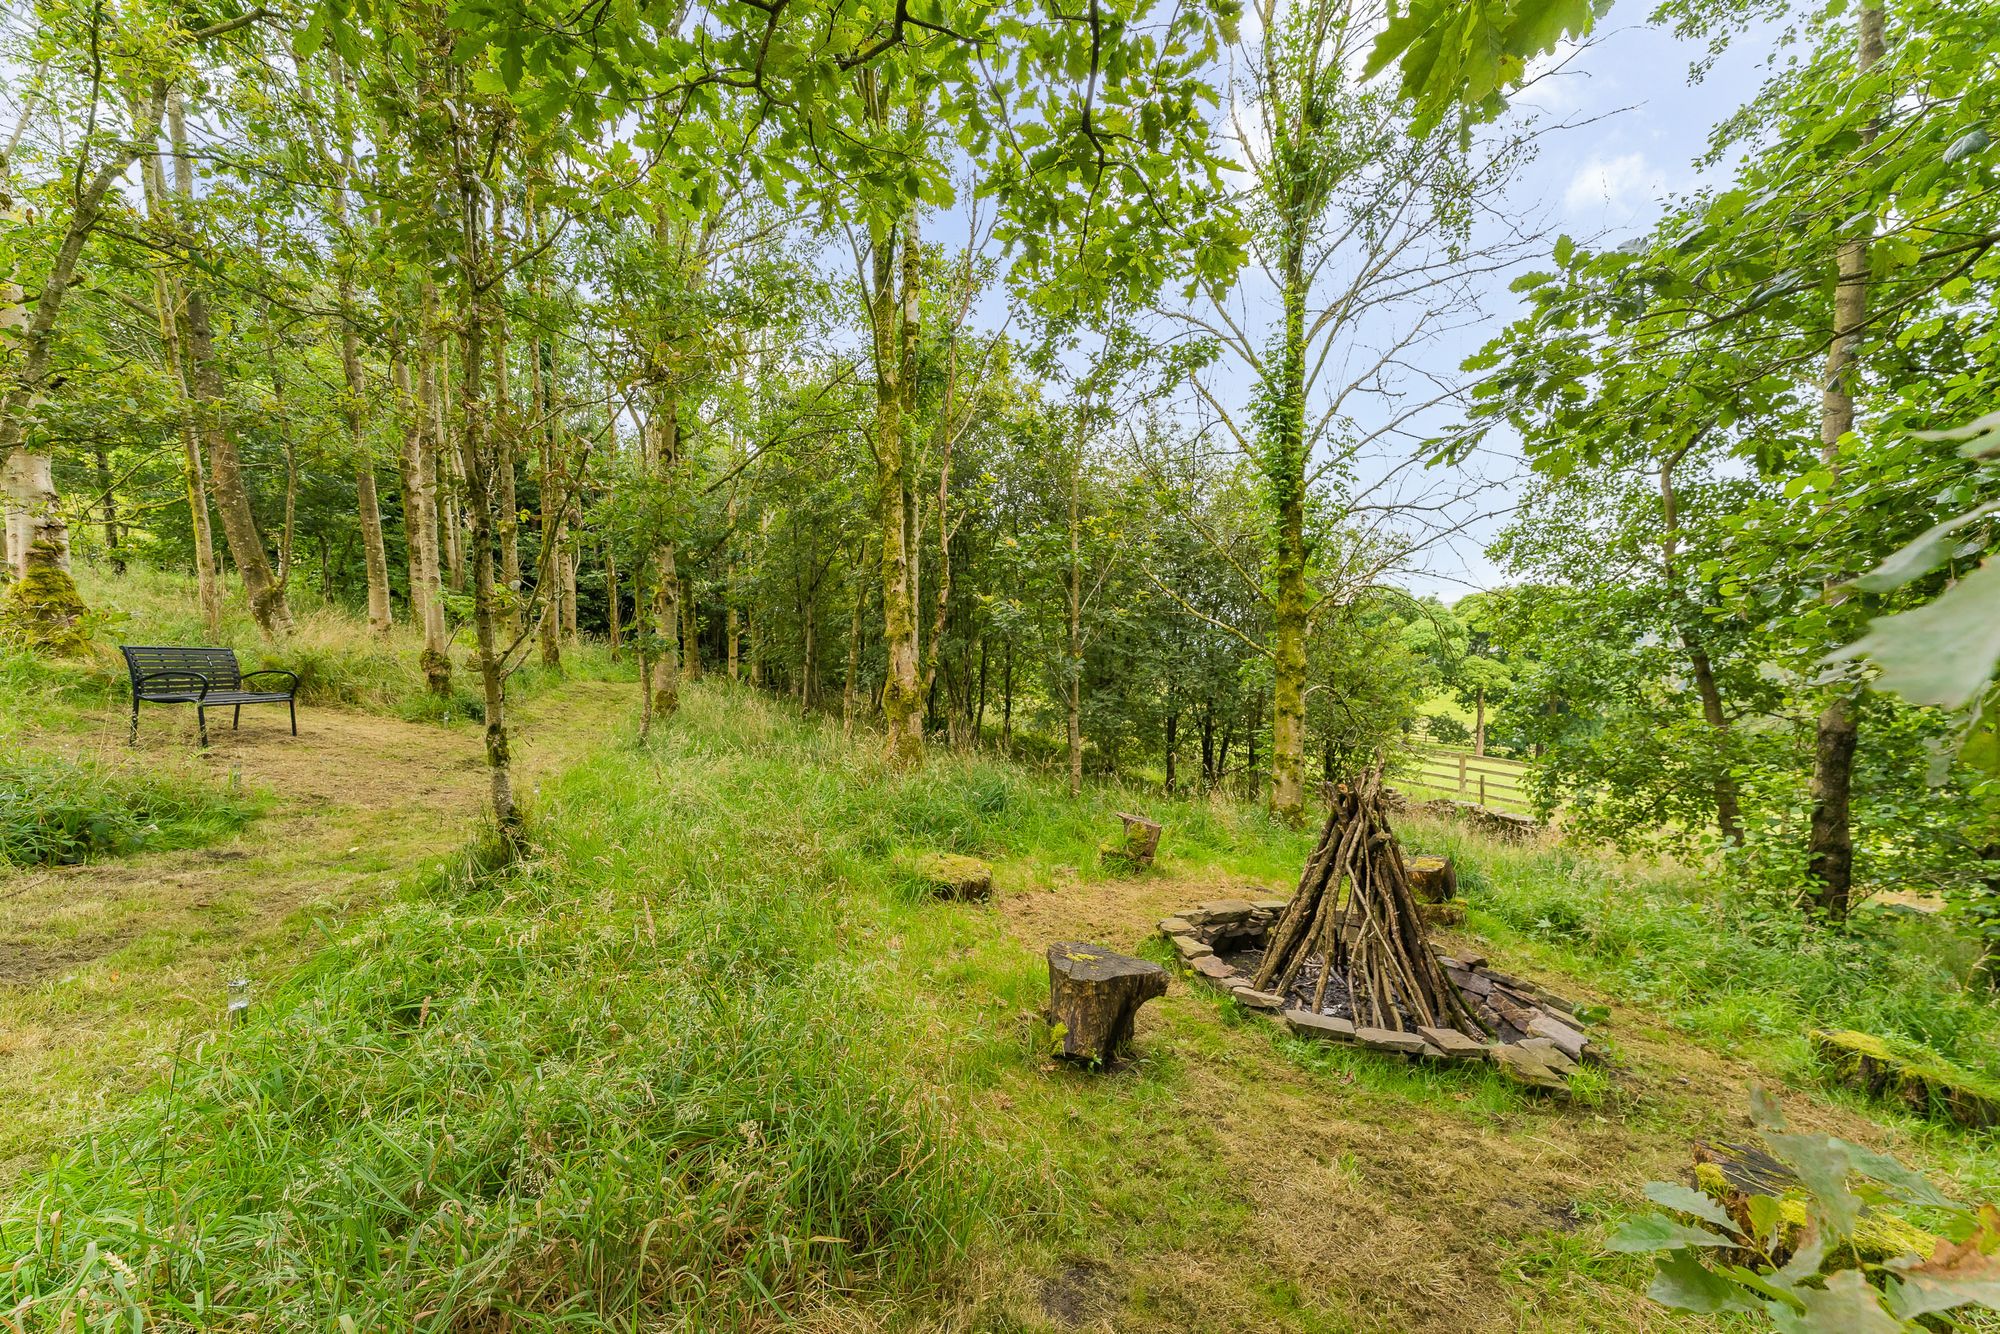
(1094,997)
(949,876)
(1433,879)
(1142,840)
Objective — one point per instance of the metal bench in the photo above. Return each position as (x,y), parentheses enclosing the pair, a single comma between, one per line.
(203,677)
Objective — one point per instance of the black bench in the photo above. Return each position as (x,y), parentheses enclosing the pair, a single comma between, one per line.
(203,677)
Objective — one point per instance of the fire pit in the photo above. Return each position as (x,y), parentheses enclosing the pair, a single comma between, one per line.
(1347,959)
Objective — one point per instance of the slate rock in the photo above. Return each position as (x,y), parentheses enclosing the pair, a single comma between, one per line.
(1388,1039)
(1453,1045)
(1192,947)
(1259,1000)
(1526,1066)
(1321,1027)
(1215,970)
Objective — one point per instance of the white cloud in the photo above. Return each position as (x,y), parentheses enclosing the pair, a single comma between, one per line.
(1625,184)
(1549,84)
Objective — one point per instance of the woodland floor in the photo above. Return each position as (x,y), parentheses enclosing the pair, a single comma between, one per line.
(1292,1185)
(101,965)
(1228,1178)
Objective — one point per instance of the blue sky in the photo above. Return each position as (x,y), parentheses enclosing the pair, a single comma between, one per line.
(1645,121)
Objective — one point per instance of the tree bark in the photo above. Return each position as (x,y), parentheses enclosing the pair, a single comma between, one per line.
(895,327)
(662,458)
(107,499)
(1830,850)
(421,446)
(225,470)
(167,296)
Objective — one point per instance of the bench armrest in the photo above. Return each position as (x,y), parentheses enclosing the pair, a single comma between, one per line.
(292,689)
(180,677)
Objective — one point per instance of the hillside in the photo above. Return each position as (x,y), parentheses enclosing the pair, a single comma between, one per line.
(708,1058)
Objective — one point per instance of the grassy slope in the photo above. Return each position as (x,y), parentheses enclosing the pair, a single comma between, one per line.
(221,863)
(707,1060)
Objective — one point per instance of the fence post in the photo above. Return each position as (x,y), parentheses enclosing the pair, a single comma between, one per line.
(1482,789)
(1461,778)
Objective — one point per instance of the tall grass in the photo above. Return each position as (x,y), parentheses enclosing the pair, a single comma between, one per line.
(56,811)
(1732,967)
(337,658)
(633,1081)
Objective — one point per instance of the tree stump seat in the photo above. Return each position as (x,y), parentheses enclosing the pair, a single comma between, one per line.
(1094,998)
(1142,841)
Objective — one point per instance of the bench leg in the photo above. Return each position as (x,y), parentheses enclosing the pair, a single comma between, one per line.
(201,723)
(293,705)
(132,737)
(236,723)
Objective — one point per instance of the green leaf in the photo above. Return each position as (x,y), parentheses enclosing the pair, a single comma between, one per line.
(1684,1284)
(1846,1305)
(1686,1200)
(1942,653)
(1921,556)
(1657,1232)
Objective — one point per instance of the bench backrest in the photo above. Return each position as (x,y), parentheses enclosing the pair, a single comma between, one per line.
(217,664)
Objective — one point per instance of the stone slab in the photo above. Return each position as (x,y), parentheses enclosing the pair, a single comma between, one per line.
(1259,1000)
(1192,947)
(1388,1039)
(1223,912)
(1453,1045)
(1320,1027)
(1550,1053)
(1566,1038)
(1270,905)
(1176,926)
(1528,1066)
(1215,970)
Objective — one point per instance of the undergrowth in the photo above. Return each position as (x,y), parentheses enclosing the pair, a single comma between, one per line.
(56,811)
(1732,967)
(338,660)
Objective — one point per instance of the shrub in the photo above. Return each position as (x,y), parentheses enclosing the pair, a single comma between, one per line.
(56,811)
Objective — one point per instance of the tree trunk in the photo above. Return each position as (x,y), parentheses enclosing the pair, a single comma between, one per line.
(421,445)
(1073,646)
(225,470)
(662,454)
(507,431)
(895,327)
(374,555)
(613,626)
(1830,851)
(853,650)
(1285,470)
(1479,721)
(167,295)
(1007,700)
(691,633)
(477,466)
(107,499)
(1728,816)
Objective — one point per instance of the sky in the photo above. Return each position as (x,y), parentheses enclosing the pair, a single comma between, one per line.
(1642,121)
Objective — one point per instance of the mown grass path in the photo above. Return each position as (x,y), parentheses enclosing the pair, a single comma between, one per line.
(103,966)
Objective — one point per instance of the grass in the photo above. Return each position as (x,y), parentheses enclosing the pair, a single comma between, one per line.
(56,811)
(337,659)
(709,1060)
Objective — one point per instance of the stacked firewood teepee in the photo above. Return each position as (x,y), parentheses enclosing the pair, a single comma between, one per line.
(1354,910)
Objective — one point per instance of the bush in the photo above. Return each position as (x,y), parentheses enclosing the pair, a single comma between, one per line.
(56,811)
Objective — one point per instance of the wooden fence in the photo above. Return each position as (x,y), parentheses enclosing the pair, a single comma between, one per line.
(1487,780)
